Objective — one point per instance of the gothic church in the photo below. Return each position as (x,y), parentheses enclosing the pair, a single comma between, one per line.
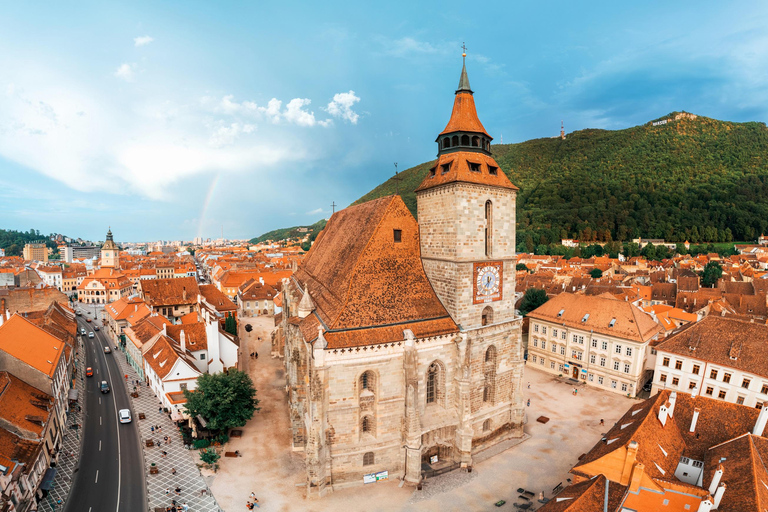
(402,349)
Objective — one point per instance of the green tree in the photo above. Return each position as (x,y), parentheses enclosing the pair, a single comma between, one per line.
(521,266)
(596,273)
(209,456)
(529,244)
(230,325)
(532,299)
(631,250)
(224,400)
(711,273)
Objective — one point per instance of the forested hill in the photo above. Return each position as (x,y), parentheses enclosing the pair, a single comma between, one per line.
(293,233)
(691,178)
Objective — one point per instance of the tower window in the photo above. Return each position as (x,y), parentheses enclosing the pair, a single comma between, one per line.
(446,142)
(455,140)
(486,425)
(432,172)
(366,424)
(487,317)
(488,227)
(474,167)
(493,170)
(475,141)
(445,168)
(398,234)
(368,459)
(465,140)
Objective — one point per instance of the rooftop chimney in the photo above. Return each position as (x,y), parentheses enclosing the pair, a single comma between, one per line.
(762,418)
(182,340)
(694,391)
(695,418)
(672,400)
(629,462)
(637,476)
(716,479)
(184,293)
(663,413)
(705,505)
(719,495)
(164,329)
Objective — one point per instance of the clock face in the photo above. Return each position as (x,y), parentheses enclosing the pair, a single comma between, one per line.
(488,282)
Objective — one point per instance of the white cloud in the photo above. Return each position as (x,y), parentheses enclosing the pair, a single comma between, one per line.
(341,106)
(142,40)
(315,211)
(295,113)
(126,72)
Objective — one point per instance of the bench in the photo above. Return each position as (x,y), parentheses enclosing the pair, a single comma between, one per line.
(542,419)
(236,433)
(231,454)
(142,416)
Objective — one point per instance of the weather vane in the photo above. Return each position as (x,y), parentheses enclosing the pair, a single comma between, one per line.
(464,49)
(397,179)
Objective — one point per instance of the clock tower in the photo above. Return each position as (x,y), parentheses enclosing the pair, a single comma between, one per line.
(466,213)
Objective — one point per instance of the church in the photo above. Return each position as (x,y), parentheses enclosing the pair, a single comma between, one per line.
(402,348)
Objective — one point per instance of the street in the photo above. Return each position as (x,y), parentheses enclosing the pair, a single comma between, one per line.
(111,470)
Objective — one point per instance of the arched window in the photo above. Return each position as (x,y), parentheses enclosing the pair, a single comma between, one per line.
(365,425)
(455,140)
(367,381)
(487,319)
(489,386)
(368,459)
(487,425)
(433,381)
(490,355)
(476,141)
(465,140)
(446,142)
(488,227)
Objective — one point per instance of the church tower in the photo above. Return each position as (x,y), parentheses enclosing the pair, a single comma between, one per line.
(466,213)
(110,253)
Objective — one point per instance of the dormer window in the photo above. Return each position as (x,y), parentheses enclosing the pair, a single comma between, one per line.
(445,168)
(398,235)
(586,317)
(474,167)
(560,313)
(612,323)
(432,172)
(493,170)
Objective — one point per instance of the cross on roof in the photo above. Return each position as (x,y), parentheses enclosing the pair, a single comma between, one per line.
(464,48)
(333,207)
(397,179)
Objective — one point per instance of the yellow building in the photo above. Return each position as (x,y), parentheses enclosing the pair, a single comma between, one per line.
(36,251)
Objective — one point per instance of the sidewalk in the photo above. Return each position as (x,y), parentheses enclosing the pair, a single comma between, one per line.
(71,442)
(187,476)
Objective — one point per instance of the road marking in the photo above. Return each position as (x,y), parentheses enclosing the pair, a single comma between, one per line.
(99,400)
(117,429)
(99,420)
(97,476)
(99,444)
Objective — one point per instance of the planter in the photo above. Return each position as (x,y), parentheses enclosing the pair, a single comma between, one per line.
(142,416)
(153,470)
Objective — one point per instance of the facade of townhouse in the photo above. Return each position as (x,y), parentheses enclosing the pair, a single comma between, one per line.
(599,340)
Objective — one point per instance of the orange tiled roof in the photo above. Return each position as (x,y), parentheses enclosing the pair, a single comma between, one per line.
(367,282)
(170,292)
(464,116)
(27,342)
(22,405)
(216,298)
(459,170)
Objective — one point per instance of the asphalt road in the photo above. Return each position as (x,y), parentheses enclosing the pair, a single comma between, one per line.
(110,476)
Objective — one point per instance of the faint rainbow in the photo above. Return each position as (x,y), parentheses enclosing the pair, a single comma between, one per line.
(207,204)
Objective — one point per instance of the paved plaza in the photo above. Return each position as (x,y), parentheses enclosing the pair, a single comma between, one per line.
(194,491)
(276,474)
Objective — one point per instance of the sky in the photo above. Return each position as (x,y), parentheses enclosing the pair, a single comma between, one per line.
(172,120)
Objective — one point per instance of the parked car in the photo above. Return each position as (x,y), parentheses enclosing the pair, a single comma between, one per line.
(124,415)
(104,387)
(88,320)
(89,372)
(90,335)
(79,313)
(107,350)
(95,327)
(82,331)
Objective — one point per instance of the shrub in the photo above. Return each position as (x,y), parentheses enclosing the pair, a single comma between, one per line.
(201,443)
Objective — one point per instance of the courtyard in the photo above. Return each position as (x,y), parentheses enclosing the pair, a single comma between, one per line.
(275,473)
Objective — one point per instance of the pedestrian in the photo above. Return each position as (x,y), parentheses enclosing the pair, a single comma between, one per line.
(167,490)
(253,494)
(529,402)
(256,503)
(165,438)
(164,453)
(576,391)
(178,491)
(184,507)
(152,429)
(173,471)
(602,422)
(160,409)
(529,385)
(160,429)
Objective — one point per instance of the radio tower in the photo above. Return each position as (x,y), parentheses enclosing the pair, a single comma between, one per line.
(562,131)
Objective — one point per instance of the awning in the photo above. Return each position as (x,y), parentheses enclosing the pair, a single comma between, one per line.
(48,477)
(73,394)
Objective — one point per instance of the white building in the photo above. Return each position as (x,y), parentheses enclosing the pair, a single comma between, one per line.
(719,357)
(600,340)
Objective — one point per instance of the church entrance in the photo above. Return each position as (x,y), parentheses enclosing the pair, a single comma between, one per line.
(575,372)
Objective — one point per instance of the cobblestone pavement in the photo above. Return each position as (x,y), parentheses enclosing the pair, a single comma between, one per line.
(194,490)
(69,454)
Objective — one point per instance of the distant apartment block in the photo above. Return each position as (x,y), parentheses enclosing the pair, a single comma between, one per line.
(36,251)
(85,252)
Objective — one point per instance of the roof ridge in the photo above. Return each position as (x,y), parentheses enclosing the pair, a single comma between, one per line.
(360,255)
(755,451)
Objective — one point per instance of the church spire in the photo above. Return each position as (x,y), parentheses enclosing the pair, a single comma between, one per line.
(464,80)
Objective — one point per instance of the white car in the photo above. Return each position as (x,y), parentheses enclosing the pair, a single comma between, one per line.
(107,350)
(124,415)
(90,335)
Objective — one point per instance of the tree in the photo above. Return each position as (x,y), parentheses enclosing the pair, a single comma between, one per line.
(711,273)
(224,400)
(532,299)
(521,266)
(248,327)
(596,273)
(230,325)
(209,456)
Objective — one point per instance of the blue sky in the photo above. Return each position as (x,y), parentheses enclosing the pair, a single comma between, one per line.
(169,120)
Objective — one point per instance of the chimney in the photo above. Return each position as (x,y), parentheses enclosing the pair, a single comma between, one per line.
(637,476)
(695,418)
(183,341)
(672,400)
(719,495)
(164,329)
(629,462)
(694,391)
(663,413)
(762,418)
(2,319)
(705,505)
(716,479)
(184,293)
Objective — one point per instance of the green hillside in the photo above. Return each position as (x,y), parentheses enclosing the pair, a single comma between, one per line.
(291,233)
(13,241)
(689,179)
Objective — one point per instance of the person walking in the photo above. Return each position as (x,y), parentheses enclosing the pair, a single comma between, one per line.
(602,422)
